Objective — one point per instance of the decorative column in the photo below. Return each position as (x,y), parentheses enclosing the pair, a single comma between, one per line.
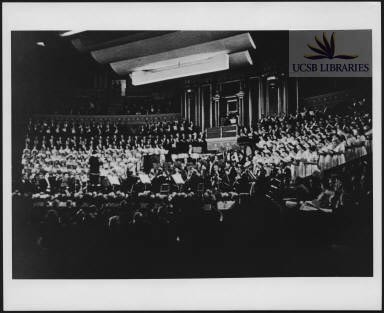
(189,106)
(185,104)
(216,103)
(285,95)
(250,106)
(210,106)
(197,108)
(279,102)
(240,96)
(200,106)
(182,104)
(202,110)
(123,86)
(261,104)
(267,98)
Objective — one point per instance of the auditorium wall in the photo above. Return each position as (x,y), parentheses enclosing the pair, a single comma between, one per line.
(336,93)
(208,100)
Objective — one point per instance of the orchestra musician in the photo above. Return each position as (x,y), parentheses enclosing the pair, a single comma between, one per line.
(193,179)
(230,172)
(158,178)
(215,177)
(130,181)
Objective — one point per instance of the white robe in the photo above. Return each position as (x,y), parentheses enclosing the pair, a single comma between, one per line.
(340,156)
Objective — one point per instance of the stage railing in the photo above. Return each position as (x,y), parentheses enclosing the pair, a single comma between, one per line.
(121,119)
(222,132)
(353,156)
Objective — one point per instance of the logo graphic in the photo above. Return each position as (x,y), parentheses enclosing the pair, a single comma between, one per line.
(326,50)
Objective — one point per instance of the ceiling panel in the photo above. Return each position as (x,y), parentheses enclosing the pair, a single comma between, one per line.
(158,44)
(96,40)
(222,46)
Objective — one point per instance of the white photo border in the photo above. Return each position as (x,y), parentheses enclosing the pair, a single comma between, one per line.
(243,293)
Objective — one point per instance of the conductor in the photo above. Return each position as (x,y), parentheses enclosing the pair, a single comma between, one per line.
(94,168)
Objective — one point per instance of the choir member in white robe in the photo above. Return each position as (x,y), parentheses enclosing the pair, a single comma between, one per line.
(368,142)
(339,153)
(292,156)
(335,143)
(312,161)
(299,160)
(361,149)
(322,153)
(328,148)
(350,146)
(306,156)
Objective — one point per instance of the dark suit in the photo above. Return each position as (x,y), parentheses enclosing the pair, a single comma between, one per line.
(94,165)
(193,181)
(94,169)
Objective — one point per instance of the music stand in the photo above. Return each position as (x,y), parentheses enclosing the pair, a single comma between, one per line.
(178,180)
(165,188)
(200,188)
(225,205)
(144,179)
(197,149)
(113,181)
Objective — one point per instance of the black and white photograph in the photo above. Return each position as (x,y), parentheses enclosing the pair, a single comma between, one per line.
(173,153)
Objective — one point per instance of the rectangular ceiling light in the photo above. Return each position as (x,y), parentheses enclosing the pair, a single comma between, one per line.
(181,69)
(181,61)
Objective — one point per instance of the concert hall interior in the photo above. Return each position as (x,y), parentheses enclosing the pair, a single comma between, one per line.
(172,154)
